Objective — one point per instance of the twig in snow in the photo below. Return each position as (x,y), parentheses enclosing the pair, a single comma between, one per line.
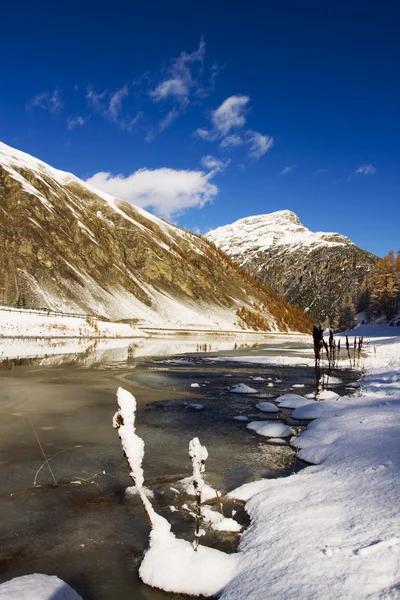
(199,455)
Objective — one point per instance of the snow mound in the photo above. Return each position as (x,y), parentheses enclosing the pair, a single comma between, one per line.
(241,418)
(267,407)
(194,385)
(196,406)
(242,388)
(37,587)
(271,430)
(309,411)
(172,565)
(218,522)
(328,395)
(292,401)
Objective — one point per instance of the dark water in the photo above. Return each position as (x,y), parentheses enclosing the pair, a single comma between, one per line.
(91,534)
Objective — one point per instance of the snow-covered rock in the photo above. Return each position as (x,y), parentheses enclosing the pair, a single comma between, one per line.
(292,401)
(242,388)
(269,429)
(37,587)
(267,407)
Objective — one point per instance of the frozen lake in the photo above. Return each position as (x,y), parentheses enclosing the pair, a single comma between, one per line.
(89,532)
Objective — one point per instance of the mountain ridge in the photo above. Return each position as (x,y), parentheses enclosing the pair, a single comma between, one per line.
(64,243)
(316,271)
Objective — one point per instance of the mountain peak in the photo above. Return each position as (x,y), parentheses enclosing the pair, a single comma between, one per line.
(261,233)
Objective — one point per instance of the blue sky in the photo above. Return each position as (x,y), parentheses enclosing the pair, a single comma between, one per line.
(209,112)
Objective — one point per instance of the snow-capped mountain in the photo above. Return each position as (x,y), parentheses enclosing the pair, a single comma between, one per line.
(313,270)
(65,245)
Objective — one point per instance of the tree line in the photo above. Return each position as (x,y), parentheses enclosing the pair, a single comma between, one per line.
(379,297)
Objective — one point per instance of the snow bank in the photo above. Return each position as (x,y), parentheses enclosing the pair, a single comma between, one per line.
(331,531)
(37,587)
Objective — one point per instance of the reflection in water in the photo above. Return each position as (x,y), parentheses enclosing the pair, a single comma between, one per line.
(103,352)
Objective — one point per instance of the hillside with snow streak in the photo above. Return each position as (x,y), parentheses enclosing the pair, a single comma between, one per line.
(67,246)
(313,270)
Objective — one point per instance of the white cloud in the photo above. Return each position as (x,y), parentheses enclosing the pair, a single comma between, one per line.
(115,103)
(259,144)
(47,101)
(77,121)
(232,140)
(110,106)
(181,77)
(231,113)
(175,88)
(169,118)
(365,170)
(228,122)
(288,169)
(167,191)
(206,134)
(213,164)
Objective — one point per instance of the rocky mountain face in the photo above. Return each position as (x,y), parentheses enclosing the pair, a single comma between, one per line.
(65,245)
(314,271)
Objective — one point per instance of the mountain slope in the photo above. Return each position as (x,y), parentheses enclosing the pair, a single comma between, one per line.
(65,245)
(314,271)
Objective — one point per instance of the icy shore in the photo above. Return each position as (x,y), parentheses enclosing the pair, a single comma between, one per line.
(332,531)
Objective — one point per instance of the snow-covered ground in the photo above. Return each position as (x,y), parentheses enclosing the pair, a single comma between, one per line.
(333,530)
(26,323)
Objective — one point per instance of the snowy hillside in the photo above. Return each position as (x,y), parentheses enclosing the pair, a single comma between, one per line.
(313,270)
(67,246)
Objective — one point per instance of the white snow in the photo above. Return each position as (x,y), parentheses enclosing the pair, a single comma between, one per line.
(332,530)
(194,385)
(269,429)
(37,587)
(267,407)
(281,229)
(241,418)
(292,401)
(171,564)
(309,411)
(196,406)
(207,492)
(27,323)
(242,388)
(218,522)
(328,395)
